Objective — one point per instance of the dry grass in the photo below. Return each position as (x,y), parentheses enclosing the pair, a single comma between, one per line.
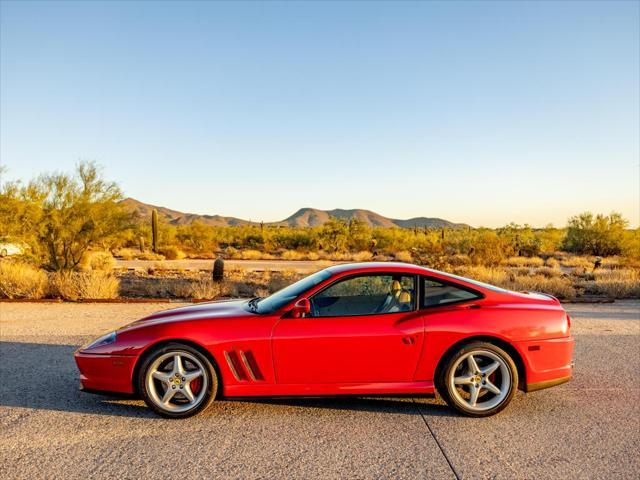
(578,262)
(549,272)
(619,283)
(523,262)
(363,256)
(544,279)
(84,285)
(561,287)
(552,262)
(21,280)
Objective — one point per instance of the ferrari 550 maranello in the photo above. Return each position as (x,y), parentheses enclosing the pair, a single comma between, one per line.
(358,329)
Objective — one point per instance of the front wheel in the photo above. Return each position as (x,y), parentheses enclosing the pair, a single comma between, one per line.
(177,381)
(478,380)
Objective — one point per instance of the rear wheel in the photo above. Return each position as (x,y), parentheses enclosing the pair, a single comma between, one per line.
(478,380)
(177,381)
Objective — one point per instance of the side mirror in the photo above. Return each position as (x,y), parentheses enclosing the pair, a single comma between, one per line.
(301,308)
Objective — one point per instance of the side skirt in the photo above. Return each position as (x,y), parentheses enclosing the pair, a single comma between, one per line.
(335,389)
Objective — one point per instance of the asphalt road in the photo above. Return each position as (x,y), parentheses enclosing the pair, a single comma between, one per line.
(302,266)
(588,428)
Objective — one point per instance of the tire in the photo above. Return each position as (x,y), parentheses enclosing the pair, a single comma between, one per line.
(188,385)
(493,382)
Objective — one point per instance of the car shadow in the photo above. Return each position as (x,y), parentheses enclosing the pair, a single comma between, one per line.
(46,378)
(406,405)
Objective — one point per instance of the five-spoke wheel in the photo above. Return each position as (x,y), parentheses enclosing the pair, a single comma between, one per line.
(177,381)
(479,379)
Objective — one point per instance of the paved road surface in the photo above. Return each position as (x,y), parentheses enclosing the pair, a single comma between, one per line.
(588,428)
(303,266)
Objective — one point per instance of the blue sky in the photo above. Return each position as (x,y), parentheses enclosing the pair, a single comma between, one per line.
(477,112)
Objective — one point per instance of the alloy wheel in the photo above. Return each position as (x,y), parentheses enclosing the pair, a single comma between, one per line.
(176,381)
(480,380)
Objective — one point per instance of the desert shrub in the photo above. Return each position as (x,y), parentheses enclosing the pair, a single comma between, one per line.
(150,256)
(126,253)
(292,255)
(362,256)
(458,260)
(403,256)
(596,235)
(200,289)
(253,255)
(103,261)
(487,248)
(21,280)
(84,285)
(171,252)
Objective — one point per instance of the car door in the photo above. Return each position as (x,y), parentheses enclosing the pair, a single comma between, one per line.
(362,329)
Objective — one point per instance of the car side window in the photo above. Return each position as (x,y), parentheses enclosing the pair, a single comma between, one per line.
(436,293)
(365,295)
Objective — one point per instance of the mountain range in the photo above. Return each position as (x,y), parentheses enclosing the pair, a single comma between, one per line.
(305,217)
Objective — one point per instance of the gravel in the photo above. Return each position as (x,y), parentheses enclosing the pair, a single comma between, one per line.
(587,428)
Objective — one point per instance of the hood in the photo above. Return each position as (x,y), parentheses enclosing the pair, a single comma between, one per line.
(208,310)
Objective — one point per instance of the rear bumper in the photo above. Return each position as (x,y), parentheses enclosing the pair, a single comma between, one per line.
(106,373)
(547,362)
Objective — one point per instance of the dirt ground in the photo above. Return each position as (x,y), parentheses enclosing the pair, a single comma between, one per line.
(587,428)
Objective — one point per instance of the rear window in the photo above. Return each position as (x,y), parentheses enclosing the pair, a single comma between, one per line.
(435,293)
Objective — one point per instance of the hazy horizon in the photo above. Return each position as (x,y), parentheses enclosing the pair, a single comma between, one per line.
(479,113)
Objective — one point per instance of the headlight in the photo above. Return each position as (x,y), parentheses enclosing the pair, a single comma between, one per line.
(103,340)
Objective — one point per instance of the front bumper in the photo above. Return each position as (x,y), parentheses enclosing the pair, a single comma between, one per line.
(106,373)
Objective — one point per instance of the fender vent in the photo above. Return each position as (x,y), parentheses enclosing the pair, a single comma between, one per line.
(243,365)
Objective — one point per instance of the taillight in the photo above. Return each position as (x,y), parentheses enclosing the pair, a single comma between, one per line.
(568,322)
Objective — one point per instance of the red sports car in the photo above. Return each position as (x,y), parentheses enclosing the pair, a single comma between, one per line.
(358,329)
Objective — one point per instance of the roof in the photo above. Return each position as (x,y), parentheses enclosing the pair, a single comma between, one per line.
(378,266)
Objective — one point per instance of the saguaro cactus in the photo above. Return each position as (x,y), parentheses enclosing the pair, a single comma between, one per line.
(218,270)
(154,230)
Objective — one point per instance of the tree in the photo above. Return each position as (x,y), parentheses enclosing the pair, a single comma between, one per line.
(334,235)
(600,235)
(77,212)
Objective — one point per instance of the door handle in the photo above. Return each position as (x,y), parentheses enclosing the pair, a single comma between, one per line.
(469,307)
(408,340)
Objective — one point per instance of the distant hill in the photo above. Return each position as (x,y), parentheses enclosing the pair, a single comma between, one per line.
(305,217)
(143,210)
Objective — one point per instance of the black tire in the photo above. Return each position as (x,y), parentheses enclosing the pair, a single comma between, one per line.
(211,383)
(507,373)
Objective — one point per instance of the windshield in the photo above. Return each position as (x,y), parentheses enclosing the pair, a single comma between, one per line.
(282,297)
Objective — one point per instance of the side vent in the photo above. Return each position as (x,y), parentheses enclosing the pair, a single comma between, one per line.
(243,365)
